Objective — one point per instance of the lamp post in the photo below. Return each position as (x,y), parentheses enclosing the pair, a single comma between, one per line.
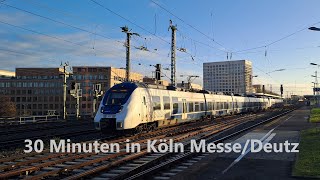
(315,76)
(314,28)
(277,70)
(315,87)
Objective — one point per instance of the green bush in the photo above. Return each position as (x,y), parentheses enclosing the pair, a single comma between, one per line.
(315,115)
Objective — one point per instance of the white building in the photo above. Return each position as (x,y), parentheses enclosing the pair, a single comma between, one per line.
(228,76)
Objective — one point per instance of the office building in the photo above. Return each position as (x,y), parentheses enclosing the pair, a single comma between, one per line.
(228,76)
(37,90)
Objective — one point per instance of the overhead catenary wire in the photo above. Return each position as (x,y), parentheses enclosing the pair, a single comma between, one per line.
(70,15)
(60,22)
(17,52)
(50,36)
(278,40)
(130,21)
(191,26)
(75,27)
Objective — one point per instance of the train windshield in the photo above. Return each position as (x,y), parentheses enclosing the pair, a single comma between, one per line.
(116,98)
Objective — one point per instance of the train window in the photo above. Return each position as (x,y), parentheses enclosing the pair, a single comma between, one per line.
(144,100)
(166,102)
(226,105)
(201,106)
(196,106)
(156,103)
(190,107)
(214,106)
(218,105)
(175,106)
(209,106)
(116,98)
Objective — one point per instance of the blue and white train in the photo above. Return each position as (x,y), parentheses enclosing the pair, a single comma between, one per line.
(137,107)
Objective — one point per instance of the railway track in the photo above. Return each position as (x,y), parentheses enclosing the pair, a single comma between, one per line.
(180,161)
(121,164)
(13,138)
(20,141)
(17,129)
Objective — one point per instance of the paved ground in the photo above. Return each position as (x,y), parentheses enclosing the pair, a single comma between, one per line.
(260,165)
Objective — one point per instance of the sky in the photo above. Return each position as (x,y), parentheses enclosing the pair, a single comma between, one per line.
(272,34)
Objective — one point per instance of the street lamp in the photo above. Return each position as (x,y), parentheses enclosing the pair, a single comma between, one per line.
(276,71)
(315,64)
(314,88)
(315,76)
(314,28)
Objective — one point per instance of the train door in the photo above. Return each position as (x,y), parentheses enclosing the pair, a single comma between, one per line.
(184,109)
(232,105)
(145,106)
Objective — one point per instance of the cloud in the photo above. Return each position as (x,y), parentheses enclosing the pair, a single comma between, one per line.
(16,17)
(34,50)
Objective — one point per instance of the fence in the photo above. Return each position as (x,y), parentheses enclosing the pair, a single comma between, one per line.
(29,119)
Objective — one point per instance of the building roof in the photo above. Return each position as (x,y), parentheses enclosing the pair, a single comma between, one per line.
(234,61)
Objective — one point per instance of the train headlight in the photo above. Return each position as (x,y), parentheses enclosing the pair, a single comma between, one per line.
(119,125)
(102,109)
(97,125)
(121,107)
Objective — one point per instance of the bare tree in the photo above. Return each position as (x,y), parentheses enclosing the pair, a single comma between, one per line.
(7,108)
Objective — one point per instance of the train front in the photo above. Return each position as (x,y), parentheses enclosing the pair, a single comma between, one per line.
(113,109)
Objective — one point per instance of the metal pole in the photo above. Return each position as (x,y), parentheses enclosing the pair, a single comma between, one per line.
(128,57)
(173,54)
(78,105)
(64,92)
(94,105)
(316,80)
